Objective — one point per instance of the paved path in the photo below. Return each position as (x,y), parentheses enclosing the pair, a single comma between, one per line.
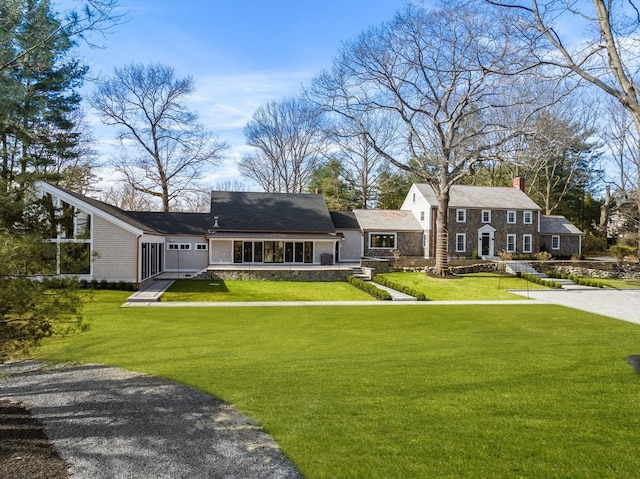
(621,304)
(109,423)
(151,292)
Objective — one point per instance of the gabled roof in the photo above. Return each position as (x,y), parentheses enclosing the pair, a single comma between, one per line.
(385,220)
(270,212)
(494,197)
(345,220)
(557,225)
(107,209)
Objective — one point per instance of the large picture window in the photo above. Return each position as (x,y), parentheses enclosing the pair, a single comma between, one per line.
(69,230)
(382,240)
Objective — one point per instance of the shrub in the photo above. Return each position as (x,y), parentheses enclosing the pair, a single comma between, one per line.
(537,280)
(369,288)
(543,256)
(620,251)
(419,295)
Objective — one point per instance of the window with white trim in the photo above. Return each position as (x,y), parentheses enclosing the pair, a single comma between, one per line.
(461,216)
(486,216)
(201,246)
(511,217)
(511,243)
(527,244)
(555,242)
(179,246)
(461,242)
(527,217)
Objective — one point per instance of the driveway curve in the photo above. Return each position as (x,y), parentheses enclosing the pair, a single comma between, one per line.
(621,304)
(110,423)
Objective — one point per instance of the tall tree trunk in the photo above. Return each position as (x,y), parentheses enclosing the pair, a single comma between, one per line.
(442,231)
(604,211)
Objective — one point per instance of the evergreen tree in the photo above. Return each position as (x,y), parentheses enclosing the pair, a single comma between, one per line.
(329,179)
(39,135)
(39,97)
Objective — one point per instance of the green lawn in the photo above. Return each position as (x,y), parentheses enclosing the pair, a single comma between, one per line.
(476,286)
(420,391)
(219,290)
(620,283)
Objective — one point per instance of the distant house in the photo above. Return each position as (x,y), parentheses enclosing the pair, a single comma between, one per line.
(483,220)
(291,232)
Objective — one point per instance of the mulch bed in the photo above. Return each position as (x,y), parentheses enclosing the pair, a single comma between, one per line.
(25,451)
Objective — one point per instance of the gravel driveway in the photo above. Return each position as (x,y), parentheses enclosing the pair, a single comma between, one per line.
(111,423)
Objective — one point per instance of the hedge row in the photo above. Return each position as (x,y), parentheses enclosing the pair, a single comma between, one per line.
(594,283)
(419,295)
(59,283)
(369,288)
(537,280)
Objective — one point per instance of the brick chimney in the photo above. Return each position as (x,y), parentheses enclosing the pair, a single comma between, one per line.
(518,182)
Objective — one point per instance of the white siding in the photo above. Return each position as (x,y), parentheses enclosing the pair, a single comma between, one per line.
(420,208)
(190,260)
(322,247)
(116,252)
(351,247)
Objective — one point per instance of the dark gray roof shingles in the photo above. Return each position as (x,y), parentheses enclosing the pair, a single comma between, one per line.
(270,212)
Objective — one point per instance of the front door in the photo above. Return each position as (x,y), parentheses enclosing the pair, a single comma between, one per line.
(486,243)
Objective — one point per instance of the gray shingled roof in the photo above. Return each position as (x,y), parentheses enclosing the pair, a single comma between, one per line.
(270,212)
(494,197)
(557,225)
(344,220)
(111,210)
(175,223)
(384,220)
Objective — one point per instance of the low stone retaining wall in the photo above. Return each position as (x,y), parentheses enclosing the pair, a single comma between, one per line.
(589,272)
(486,267)
(281,275)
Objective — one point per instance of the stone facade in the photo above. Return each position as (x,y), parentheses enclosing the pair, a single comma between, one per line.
(470,228)
(568,245)
(409,243)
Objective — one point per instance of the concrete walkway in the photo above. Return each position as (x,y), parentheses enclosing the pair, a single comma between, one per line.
(151,292)
(621,304)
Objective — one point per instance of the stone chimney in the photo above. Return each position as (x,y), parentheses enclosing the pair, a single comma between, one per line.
(518,182)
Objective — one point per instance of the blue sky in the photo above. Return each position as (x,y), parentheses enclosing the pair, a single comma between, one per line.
(241,53)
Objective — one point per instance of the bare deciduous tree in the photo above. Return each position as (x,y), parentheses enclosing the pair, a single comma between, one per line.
(164,147)
(440,74)
(290,138)
(558,160)
(608,58)
(362,164)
